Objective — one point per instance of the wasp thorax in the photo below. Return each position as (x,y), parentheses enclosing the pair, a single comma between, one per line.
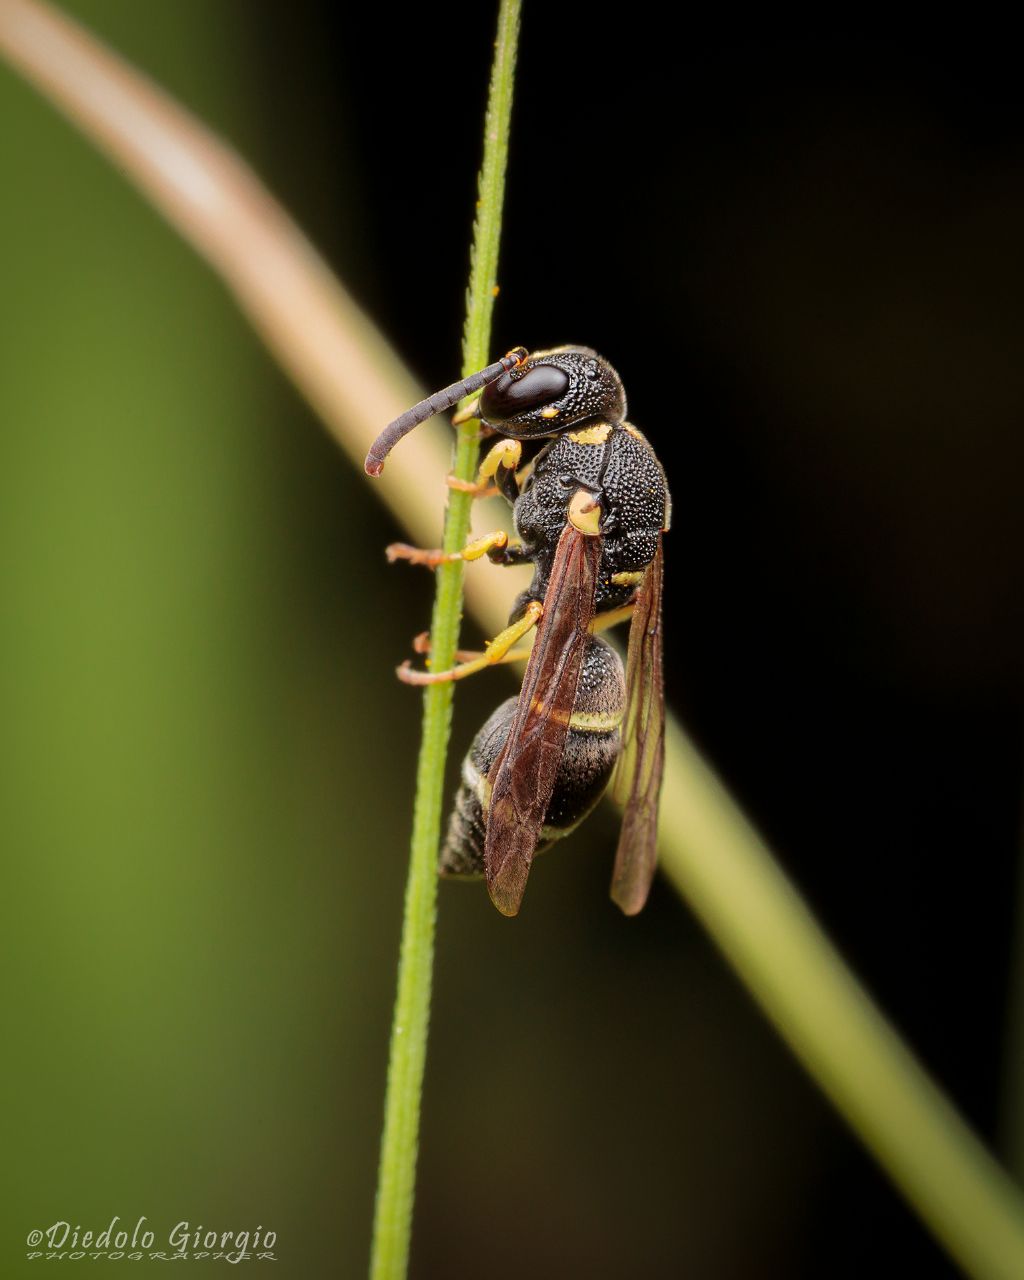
(551,391)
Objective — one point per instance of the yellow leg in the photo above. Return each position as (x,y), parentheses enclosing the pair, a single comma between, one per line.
(506,453)
(421,644)
(610,619)
(432,558)
(473,487)
(499,650)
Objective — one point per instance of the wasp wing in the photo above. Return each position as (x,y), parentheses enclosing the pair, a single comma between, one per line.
(638,775)
(522,778)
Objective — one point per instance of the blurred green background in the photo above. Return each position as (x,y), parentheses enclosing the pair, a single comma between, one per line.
(203,810)
(206,764)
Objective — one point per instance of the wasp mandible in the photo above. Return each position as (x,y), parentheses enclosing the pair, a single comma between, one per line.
(589,509)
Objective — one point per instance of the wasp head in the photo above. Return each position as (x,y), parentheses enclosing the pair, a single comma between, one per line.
(551,391)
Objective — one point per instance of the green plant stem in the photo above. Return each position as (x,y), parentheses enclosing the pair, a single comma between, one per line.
(396,1179)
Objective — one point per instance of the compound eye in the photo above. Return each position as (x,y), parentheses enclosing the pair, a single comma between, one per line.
(508,397)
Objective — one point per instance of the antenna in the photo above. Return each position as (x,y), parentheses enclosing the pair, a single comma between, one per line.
(437,403)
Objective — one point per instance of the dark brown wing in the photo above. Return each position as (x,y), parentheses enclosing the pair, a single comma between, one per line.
(638,775)
(522,778)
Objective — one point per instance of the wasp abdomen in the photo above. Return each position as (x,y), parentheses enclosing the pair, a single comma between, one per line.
(591,750)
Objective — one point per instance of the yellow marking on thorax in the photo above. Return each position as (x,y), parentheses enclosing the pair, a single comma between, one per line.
(597,434)
(631,578)
(585,513)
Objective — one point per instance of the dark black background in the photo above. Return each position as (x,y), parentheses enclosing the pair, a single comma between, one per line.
(805,259)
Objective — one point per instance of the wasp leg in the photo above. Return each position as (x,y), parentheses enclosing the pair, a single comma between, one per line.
(476,489)
(509,554)
(506,453)
(612,618)
(470,410)
(421,644)
(497,651)
(433,557)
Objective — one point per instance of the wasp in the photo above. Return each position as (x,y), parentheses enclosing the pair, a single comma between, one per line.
(590,505)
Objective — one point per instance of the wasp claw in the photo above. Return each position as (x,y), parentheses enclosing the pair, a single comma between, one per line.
(430,559)
(408,674)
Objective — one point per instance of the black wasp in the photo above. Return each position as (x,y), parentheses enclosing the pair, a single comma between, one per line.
(590,508)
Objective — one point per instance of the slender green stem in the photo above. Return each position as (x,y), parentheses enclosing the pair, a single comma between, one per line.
(396,1180)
